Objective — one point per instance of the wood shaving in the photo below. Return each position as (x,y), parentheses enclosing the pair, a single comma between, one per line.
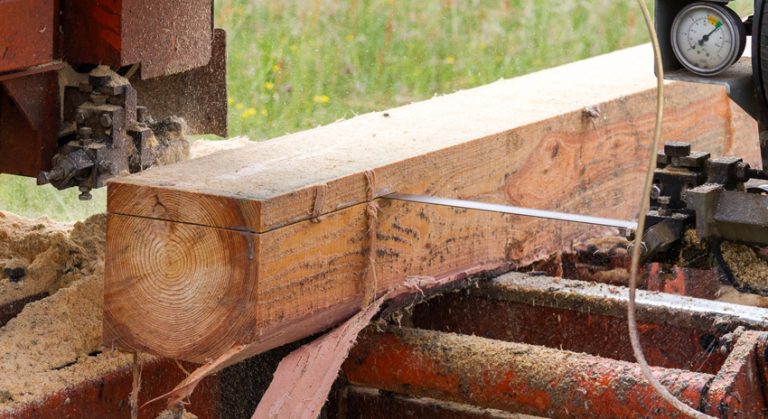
(748,268)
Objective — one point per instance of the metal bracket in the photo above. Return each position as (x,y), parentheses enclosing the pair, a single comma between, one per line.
(738,82)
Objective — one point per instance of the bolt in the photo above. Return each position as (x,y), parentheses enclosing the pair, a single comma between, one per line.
(141,114)
(85,193)
(655,192)
(43,178)
(663,205)
(105,120)
(677,149)
(84,133)
(104,166)
(80,117)
(742,171)
(98,98)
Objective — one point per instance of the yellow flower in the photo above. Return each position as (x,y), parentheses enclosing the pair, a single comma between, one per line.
(350,37)
(276,68)
(450,59)
(239,106)
(269,85)
(231,100)
(249,113)
(321,99)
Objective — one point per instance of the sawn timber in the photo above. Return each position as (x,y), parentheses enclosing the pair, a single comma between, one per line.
(269,243)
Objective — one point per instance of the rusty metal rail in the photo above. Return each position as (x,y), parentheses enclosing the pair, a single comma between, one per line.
(549,347)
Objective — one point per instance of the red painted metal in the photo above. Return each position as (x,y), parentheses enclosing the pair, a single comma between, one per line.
(610,265)
(165,36)
(108,397)
(92,31)
(362,402)
(199,96)
(29,118)
(588,332)
(27,33)
(699,283)
(738,388)
(519,378)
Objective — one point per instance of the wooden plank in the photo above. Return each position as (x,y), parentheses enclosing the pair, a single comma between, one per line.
(218,252)
(446,145)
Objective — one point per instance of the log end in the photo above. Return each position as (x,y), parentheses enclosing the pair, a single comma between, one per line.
(182,281)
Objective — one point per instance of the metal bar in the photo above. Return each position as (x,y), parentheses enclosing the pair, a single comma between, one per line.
(604,299)
(508,209)
(52,66)
(515,377)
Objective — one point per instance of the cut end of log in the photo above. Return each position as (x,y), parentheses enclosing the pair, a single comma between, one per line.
(171,286)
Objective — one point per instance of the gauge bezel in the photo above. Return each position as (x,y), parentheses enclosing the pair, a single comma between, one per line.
(731,22)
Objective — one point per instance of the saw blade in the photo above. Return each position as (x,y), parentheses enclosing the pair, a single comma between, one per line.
(508,209)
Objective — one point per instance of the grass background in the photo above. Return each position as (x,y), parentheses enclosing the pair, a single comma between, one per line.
(296,64)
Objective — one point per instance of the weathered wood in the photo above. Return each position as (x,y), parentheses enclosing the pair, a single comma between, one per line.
(221,250)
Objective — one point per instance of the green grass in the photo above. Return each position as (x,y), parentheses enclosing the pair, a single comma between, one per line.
(296,64)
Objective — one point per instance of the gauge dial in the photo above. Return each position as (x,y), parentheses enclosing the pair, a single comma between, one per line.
(707,38)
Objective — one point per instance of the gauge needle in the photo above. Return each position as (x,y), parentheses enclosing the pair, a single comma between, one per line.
(705,38)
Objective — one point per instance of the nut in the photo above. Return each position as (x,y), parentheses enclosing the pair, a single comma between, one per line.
(84,133)
(677,149)
(80,117)
(105,120)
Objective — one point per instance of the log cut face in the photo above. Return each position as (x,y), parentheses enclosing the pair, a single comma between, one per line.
(177,282)
(222,251)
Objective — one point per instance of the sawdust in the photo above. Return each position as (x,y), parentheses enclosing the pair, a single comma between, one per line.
(204,148)
(749,269)
(611,246)
(694,252)
(487,359)
(55,342)
(601,259)
(172,145)
(691,238)
(729,294)
(50,255)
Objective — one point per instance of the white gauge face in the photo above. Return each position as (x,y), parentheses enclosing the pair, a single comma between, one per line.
(705,38)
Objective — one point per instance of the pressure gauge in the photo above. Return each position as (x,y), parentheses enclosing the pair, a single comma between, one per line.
(707,38)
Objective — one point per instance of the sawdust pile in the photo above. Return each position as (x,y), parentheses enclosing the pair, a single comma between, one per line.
(488,359)
(53,342)
(750,269)
(203,148)
(603,259)
(43,256)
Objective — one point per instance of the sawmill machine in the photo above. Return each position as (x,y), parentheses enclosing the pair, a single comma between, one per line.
(92,89)
(722,198)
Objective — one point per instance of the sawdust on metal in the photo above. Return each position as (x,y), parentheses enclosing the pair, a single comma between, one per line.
(749,268)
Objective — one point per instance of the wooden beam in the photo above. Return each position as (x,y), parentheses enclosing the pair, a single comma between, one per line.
(221,251)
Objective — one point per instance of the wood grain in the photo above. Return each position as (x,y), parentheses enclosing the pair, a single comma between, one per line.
(221,251)
(437,146)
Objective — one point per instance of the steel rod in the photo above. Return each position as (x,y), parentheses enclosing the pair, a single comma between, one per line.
(508,209)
